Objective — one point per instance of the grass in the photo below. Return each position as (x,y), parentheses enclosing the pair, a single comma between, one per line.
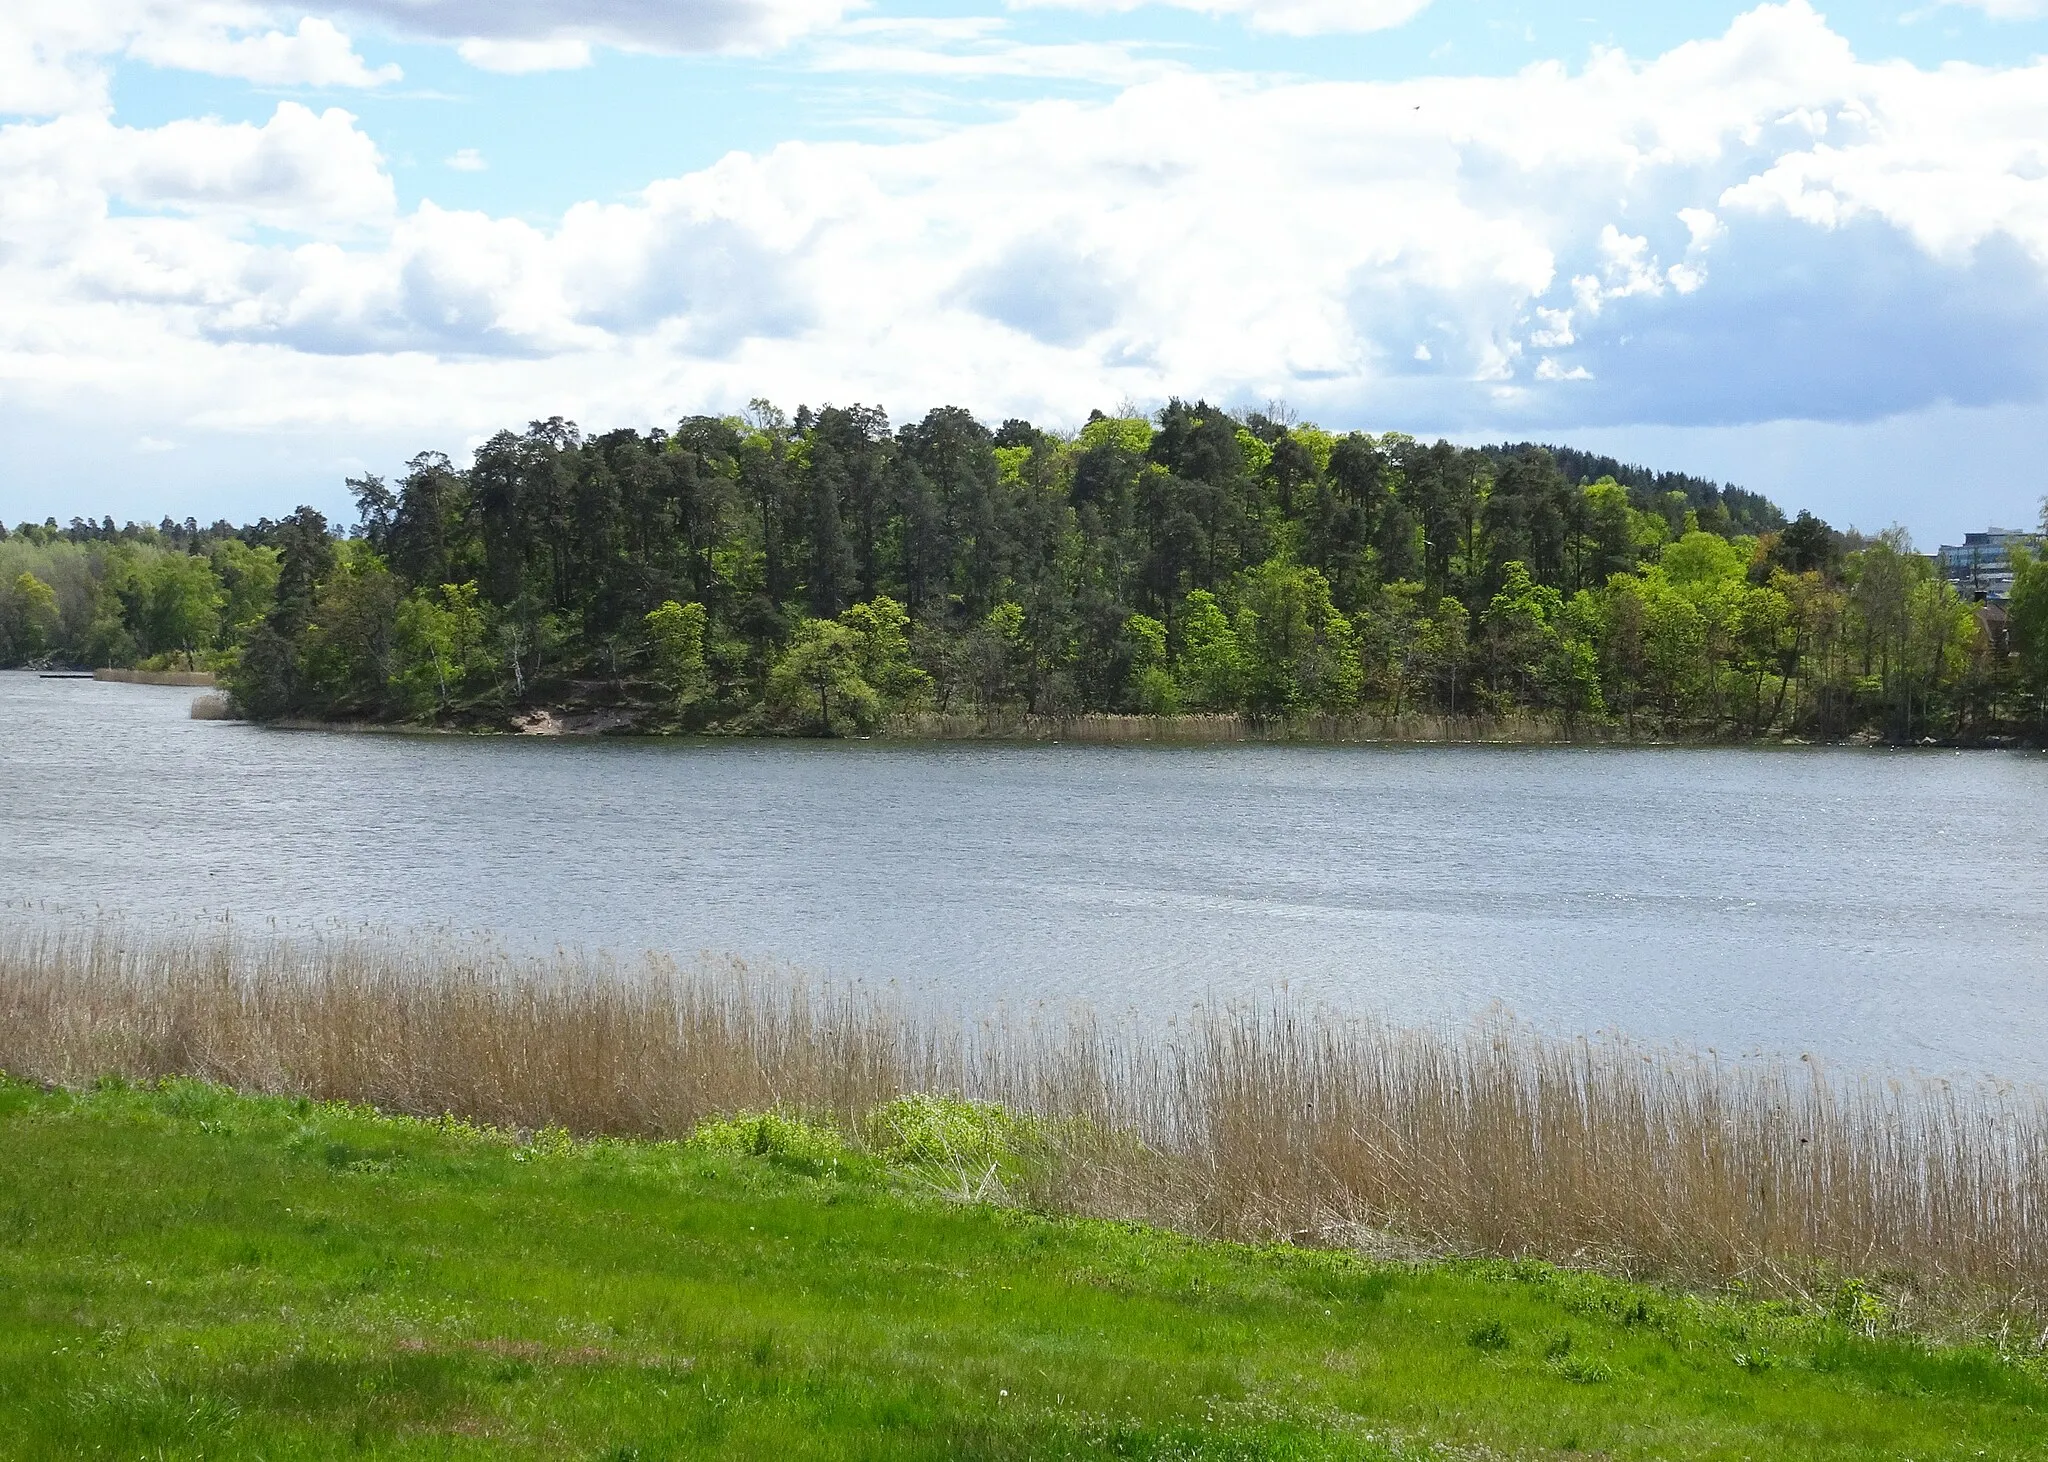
(186,1272)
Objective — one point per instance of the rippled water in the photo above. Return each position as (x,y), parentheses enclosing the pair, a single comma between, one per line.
(1876,907)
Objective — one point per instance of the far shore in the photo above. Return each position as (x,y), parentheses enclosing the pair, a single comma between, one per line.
(1090,728)
(1102,729)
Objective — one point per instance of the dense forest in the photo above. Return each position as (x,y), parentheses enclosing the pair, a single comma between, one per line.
(823,574)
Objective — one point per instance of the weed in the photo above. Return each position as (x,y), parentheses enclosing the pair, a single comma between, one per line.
(1492,1336)
(789,1140)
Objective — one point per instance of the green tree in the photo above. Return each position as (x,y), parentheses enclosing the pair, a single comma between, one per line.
(1674,647)
(267,681)
(248,578)
(2027,616)
(1298,649)
(881,652)
(184,601)
(1571,664)
(1520,634)
(28,618)
(1444,644)
(675,641)
(1152,687)
(1212,669)
(1698,559)
(1763,634)
(441,646)
(1606,543)
(817,685)
(999,655)
(348,652)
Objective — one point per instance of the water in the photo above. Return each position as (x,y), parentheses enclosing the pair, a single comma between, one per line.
(1878,908)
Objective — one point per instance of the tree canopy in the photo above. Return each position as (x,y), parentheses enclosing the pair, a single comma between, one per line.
(825,573)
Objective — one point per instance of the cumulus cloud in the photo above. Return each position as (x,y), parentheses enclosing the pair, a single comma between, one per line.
(1043,289)
(315,54)
(518,34)
(1751,226)
(300,171)
(1282,17)
(55,55)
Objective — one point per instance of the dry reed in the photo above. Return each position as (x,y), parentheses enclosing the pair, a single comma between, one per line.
(1206,729)
(157,677)
(1247,1123)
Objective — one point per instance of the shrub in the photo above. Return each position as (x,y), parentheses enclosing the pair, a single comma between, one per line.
(1859,1307)
(773,1135)
(932,1130)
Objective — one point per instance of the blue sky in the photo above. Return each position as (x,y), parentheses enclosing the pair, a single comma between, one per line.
(250,248)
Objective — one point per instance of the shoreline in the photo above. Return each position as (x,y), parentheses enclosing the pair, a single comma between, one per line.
(1104,729)
(1092,728)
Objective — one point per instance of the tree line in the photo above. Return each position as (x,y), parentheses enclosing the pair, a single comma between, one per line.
(825,573)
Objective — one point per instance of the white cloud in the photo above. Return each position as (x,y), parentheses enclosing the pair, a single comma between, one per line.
(642,25)
(301,171)
(1433,251)
(1951,157)
(316,54)
(56,55)
(466,160)
(523,57)
(1282,17)
(961,47)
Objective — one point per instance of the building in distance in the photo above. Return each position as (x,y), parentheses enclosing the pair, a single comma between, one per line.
(1981,565)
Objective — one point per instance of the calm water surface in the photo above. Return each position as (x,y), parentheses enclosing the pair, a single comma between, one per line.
(1880,908)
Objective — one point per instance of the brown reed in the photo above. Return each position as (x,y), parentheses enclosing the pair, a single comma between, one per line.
(1199,728)
(1254,1123)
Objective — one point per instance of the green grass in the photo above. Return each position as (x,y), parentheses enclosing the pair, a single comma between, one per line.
(187,1273)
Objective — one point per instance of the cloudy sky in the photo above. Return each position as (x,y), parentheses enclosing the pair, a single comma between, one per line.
(249,248)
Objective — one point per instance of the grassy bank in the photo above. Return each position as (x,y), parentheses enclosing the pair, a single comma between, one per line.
(189,1273)
(1242,1124)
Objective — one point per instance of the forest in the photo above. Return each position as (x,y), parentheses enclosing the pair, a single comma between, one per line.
(823,574)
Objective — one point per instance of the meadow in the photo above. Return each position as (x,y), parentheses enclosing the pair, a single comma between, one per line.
(186,1272)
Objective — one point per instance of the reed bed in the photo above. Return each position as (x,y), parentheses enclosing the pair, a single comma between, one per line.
(1206,729)
(1251,1123)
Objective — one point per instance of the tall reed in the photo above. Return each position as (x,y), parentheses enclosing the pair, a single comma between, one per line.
(1238,1122)
(1201,728)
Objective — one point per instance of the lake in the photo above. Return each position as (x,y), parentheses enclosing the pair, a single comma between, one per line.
(1879,908)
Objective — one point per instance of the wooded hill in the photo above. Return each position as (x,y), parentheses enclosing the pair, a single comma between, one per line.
(825,573)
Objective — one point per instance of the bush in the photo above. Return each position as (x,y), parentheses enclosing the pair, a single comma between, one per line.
(942,1131)
(774,1135)
(1859,1307)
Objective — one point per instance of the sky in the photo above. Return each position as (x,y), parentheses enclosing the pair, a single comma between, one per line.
(248,250)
